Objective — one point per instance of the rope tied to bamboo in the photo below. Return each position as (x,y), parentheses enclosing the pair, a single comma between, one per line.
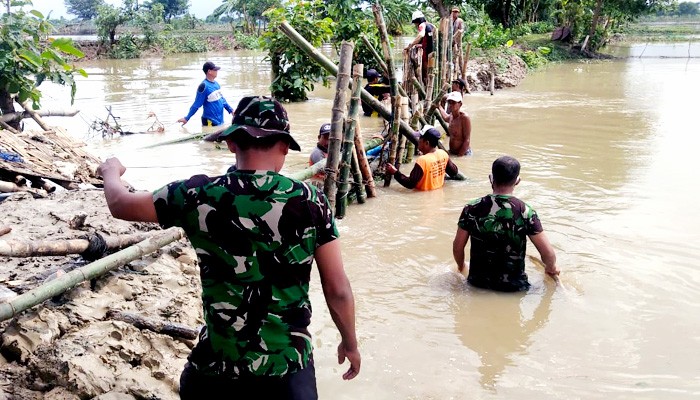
(97,247)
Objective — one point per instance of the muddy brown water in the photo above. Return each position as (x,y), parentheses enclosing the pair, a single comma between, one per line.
(609,154)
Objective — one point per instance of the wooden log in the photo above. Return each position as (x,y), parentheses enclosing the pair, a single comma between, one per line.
(349,142)
(93,270)
(158,326)
(35,116)
(42,248)
(328,65)
(18,116)
(4,230)
(330,187)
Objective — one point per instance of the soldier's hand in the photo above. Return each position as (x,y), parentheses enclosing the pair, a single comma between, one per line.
(352,355)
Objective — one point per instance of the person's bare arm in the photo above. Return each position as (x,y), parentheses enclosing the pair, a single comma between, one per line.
(466,126)
(447,117)
(122,203)
(458,245)
(546,251)
(341,303)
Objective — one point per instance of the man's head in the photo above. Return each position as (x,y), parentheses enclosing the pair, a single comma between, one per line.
(454,102)
(417,17)
(428,135)
(458,85)
(505,171)
(210,69)
(372,75)
(324,134)
(455,13)
(259,122)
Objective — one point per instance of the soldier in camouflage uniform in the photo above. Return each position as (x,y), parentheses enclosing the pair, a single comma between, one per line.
(498,225)
(256,234)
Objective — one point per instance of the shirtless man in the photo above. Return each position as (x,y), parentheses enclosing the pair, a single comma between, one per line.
(460,129)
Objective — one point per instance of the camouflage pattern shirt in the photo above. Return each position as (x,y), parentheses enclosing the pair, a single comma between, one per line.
(255,233)
(498,227)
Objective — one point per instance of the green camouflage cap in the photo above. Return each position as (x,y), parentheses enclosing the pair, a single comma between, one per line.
(258,117)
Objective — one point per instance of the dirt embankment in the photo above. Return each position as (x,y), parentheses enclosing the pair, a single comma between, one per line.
(67,348)
(479,71)
(97,49)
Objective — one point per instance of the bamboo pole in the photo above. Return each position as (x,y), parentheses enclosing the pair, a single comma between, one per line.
(197,136)
(328,65)
(307,173)
(393,84)
(365,169)
(159,326)
(458,54)
(10,187)
(93,270)
(338,122)
(41,248)
(357,178)
(18,116)
(349,141)
(375,54)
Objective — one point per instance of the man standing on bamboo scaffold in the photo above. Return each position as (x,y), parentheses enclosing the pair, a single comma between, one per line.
(425,39)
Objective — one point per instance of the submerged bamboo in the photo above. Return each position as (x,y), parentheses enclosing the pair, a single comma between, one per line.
(307,173)
(93,270)
(338,122)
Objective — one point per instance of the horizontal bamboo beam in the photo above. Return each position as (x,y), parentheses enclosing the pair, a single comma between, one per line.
(18,116)
(93,270)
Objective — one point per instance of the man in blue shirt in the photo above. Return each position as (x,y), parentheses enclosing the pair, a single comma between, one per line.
(210,98)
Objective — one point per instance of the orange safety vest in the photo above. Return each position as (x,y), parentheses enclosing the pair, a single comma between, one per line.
(433,165)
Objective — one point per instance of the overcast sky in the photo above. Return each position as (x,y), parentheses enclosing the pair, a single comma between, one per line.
(200,8)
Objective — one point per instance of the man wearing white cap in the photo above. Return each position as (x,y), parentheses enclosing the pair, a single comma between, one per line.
(460,129)
(424,39)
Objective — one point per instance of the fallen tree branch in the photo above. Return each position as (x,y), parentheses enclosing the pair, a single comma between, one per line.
(158,326)
(92,244)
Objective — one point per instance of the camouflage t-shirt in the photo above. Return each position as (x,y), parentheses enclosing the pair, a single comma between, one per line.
(255,233)
(498,227)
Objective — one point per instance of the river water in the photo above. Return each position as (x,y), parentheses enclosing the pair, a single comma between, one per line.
(609,160)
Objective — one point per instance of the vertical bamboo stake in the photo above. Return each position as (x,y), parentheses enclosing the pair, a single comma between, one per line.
(384,36)
(357,178)
(337,122)
(364,164)
(348,140)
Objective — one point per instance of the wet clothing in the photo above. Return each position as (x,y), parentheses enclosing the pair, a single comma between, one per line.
(318,154)
(213,103)
(377,90)
(429,171)
(255,234)
(300,385)
(498,227)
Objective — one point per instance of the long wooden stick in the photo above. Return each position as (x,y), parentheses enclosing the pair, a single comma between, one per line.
(18,116)
(93,270)
(349,142)
(41,248)
(158,326)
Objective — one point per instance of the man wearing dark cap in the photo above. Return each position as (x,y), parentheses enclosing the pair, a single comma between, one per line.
(320,152)
(376,88)
(499,225)
(256,234)
(429,171)
(209,97)
(458,85)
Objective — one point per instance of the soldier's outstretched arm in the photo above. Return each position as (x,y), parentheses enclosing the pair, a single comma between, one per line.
(341,303)
(123,204)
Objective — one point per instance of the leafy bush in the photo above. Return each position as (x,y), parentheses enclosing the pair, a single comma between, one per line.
(246,41)
(126,47)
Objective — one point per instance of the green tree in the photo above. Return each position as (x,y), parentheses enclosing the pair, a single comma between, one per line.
(688,8)
(171,8)
(28,57)
(251,11)
(294,74)
(83,9)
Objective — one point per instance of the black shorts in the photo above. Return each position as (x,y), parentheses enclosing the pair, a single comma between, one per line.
(297,386)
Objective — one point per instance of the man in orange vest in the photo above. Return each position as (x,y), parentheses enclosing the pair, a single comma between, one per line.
(430,168)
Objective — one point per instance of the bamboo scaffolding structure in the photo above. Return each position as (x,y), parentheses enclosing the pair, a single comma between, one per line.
(159,326)
(393,84)
(458,55)
(328,65)
(93,270)
(338,123)
(447,49)
(42,248)
(349,142)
